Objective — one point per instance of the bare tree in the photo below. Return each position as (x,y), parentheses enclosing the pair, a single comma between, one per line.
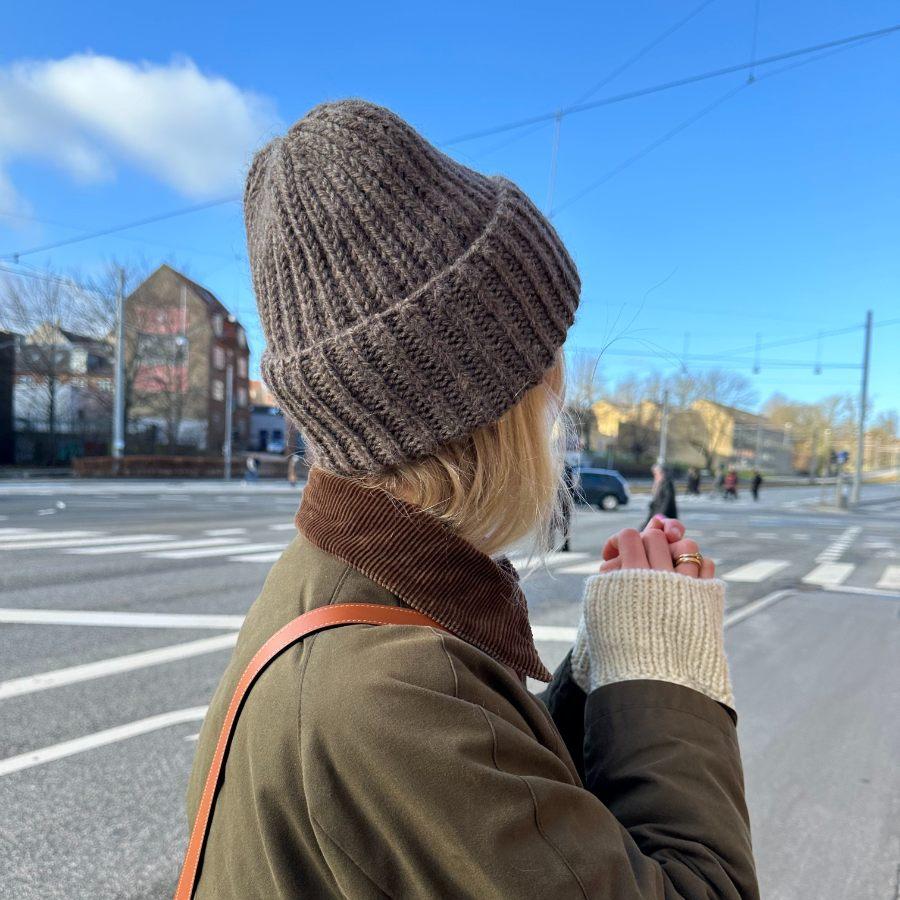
(584,386)
(37,308)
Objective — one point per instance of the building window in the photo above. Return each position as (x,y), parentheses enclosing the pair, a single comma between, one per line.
(242,367)
(218,324)
(242,396)
(218,389)
(218,357)
(241,337)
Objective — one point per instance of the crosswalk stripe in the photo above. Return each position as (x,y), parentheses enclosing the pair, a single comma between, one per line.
(86,542)
(283,526)
(37,535)
(5,531)
(224,532)
(163,542)
(829,573)
(215,551)
(890,578)
(591,567)
(257,557)
(115,665)
(758,570)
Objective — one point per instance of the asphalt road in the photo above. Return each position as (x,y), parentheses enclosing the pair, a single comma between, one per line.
(119,602)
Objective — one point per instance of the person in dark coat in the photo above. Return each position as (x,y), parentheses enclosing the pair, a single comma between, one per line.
(693,481)
(755,483)
(731,484)
(662,501)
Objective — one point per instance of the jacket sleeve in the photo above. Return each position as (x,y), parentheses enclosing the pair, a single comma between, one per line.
(440,788)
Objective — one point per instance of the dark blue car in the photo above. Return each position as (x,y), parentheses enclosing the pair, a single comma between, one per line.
(603,488)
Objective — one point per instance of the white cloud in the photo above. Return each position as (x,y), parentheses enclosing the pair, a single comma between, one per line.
(89,115)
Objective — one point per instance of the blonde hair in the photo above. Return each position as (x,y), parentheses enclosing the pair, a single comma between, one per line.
(500,483)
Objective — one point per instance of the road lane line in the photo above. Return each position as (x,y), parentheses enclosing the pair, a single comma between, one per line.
(215,551)
(100,739)
(117,619)
(758,570)
(224,532)
(85,542)
(829,573)
(5,531)
(283,526)
(159,544)
(115,665)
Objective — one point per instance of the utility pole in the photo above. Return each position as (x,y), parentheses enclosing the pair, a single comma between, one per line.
(863,399)
(758,443)
(118,442)
(229,404)
(664,429)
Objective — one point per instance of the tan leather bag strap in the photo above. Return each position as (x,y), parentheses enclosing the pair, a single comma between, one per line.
(295,630)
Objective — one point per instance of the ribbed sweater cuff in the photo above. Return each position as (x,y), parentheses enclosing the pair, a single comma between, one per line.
(644,624)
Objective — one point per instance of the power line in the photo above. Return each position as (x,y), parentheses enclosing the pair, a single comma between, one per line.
(668,85)
(185,210)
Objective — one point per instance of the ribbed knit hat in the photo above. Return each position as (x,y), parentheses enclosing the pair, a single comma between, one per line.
(406,299)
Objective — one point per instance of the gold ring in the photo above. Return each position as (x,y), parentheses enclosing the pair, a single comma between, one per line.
(689,557)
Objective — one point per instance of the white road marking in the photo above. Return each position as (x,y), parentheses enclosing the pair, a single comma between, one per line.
(766,535)
(727,534)
(890,578)
(257,557)
(758,570)
(592,567)
(192,737)
(85,542)
(744,612)
(115,665)
(6,531)
(800,536)
(869,592)
(829,573)
(283,526)
(117,619)
(224,532)
(558,633)
(215,551)
(162,543)
(46,512)
(100,739)
(836,549)
(35,534)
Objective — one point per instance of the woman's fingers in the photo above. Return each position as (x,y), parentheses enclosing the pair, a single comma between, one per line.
(671,528)
(690,569)
(611,565)
(657,549)
(631,550)
(708,569)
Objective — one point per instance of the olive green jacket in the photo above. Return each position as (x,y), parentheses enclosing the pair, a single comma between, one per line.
(402,761)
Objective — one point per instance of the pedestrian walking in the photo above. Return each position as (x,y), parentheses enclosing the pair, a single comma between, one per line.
(693,481)
(755,484)
(292,470)
(251,475)
(384,742)
(731,484)
(565,502)
(719,483)
(662,497)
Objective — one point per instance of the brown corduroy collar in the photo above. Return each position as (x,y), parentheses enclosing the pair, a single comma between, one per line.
(407,551)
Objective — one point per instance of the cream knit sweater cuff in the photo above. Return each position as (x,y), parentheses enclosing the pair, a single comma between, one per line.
(642,623)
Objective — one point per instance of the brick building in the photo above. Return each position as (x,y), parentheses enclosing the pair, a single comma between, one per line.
(180,340)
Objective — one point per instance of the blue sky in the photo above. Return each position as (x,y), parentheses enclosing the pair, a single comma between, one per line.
(775,213)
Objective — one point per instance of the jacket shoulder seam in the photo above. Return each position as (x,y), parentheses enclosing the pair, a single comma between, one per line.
(535,806)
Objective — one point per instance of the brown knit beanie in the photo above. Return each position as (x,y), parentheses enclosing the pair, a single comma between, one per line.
(406,299)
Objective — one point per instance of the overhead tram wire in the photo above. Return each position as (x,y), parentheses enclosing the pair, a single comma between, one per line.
(669,85)
(183,211)
(615,73)
(692,119)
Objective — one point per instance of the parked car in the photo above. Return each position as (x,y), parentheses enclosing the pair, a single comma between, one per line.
(604,488)
(275,445)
